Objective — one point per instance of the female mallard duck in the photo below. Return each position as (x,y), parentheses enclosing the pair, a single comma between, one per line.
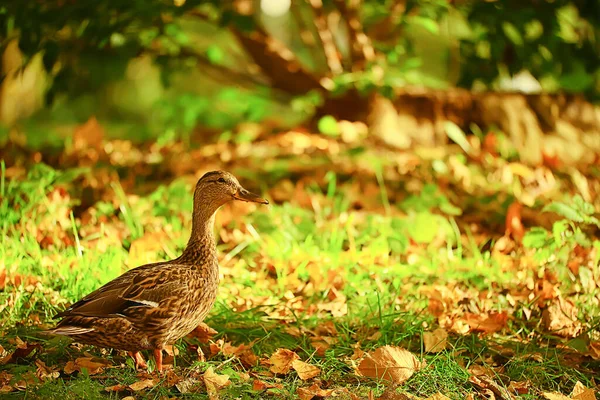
(154,305)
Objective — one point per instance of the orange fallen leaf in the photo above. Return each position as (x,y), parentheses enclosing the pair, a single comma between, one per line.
(261,385)
(115,388)
(555,396)
(305,370)
(580,392)
(214,382)
(513,224)
(313,391)
(92,365)
(490,323)
(203,333)
(560,318)
(44,372)
(518,387)
(23,350)
(438,396)
(141,385)
(281,361)
(435,341)
(390,363)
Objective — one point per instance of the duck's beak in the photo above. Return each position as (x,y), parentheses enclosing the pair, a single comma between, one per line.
(244,195)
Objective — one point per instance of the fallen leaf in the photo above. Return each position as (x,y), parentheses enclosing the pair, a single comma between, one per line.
(580,392)
(490,387)
(438,396)
(261,385)
(281,361)
(115,388)
(203,333)
(555,396)
(560,318)
(513,224)
(214,382)
(92,365)
(518,387)
(189,385)
(490,323)
(391,363)
(594,350)
(141,385)
(23,350)
(435,341)
(313,391)
(44,372)
(305,370)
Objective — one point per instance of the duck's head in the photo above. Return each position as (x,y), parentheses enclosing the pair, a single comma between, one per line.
(220,187)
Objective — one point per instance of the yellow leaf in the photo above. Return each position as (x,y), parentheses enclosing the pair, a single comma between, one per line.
(305,370)
(435,341)
(580,392)
(281,361)
(390,363)
(313,391)
(555,396)
(214,382)
(141,385)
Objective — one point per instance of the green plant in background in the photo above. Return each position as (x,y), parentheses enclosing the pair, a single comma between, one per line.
(433,43)
(555,247)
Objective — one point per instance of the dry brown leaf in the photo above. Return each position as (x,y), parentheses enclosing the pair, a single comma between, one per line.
(555,396)
(189,385)
(115,388)
(435,341)
(490,323)
(594,350)
(203,333)
(23,350)
(44,372)
(144,384)
(92,365)
(214,382)
(580,392)
(560,318)
(391,363)
(518,387)
(438,396)
(261,385)
(513,224)
(281,361)
(313,391)
(89,134)
(490,387)
(305,370)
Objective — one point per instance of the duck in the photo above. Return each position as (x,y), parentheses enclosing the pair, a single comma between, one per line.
(154,305)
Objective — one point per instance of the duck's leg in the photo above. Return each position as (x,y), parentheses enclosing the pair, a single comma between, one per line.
(158,357)
(139,359)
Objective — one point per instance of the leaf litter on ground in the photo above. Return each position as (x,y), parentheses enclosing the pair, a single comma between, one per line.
(336,192)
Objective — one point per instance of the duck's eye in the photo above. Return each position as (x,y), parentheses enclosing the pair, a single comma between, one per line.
(221,180)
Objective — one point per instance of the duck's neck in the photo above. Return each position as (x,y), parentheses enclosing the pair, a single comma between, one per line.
(201,247)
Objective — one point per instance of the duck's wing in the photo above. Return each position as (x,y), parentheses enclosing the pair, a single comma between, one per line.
(133,294)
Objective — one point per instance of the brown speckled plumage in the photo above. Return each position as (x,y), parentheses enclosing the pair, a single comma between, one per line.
(154,305)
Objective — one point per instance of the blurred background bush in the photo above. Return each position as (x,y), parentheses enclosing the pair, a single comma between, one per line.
(409,69)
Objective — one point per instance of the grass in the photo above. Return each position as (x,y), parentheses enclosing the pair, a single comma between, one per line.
(319,275)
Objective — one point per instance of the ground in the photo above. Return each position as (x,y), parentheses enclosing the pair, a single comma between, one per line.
(373,273)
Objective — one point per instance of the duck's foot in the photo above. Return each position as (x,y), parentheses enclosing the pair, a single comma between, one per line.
(158,358)
(139,359)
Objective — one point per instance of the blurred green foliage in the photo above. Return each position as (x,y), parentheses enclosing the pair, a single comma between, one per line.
(433,43)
